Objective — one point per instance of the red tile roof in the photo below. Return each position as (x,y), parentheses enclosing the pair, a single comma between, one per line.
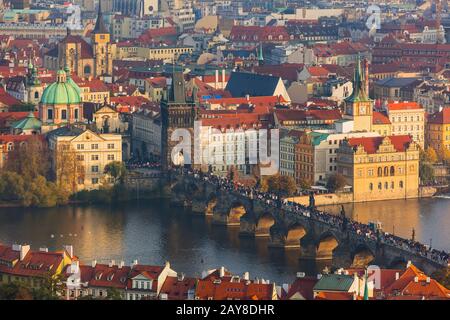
(380,118)
(177,289)
(403,106)
(102,275)
(226,288)
(303,286)
(371,144)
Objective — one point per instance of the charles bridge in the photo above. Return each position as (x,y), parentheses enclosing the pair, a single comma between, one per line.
(288,229)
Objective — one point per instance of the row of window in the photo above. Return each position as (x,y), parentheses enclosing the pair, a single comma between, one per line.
(386,185)
(94,146)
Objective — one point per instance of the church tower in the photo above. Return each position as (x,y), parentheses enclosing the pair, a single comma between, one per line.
(101,46)
(34,85)
(359,107)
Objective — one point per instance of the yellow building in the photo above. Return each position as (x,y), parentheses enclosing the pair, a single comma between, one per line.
(380,168)
(407,118)
(19,264)
(381,124)
(165,53)
(438,131)
(91,152)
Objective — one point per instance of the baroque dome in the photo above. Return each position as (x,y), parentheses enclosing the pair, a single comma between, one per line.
(64,91)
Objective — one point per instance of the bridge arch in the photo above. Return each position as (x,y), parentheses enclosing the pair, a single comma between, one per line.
(294,234)
(263,224)
(327,243)
(362,256)
(397,263)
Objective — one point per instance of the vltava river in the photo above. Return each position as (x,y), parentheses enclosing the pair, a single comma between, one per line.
(154,233)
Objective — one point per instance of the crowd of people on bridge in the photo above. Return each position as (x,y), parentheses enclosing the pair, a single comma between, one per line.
(336,221)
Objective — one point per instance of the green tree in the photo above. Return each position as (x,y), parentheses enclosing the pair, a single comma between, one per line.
(117,171)
(336,182)
(52,288)
(12,186)
(15,291)
(287,185)
(426,172)
(304,184)
(113,294)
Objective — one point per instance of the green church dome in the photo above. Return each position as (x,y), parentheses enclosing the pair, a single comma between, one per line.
(63,91)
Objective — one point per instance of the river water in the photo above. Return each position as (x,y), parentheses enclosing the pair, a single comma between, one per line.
(155,232)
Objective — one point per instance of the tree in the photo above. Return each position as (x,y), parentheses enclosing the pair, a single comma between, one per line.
(15,291)
(431,155)
(12,186)
(446,155)
(304,184)
(336,182)
(287,185)
(69,168)
(117,171)
(30,159)
(426,172)
(113,294)
(52,288)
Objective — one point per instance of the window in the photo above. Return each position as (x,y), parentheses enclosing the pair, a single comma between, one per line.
(380,186)
(50,114)
(370,186)
(380,171)
(110,145)
(110,157)
(80,146)
(80,157)
(386,185)
(36,95)
(94,146)
(64,114)
(392,171)
(401,184)
(94,157)
(94,168)
(76,114)
(386,171)
(94,180)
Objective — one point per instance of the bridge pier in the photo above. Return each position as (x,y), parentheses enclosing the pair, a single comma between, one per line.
(286,237)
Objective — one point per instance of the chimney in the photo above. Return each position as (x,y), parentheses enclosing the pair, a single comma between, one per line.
(23,250)
(121,264)
(428,279)
(222,272)
(135,262)
(167,265)
(217,80)
(301,274)
(111,263)
(416,279)
(246,276)
(397,275)
(247,97)
(319,276)
(43,249)
(223,79)
(409,264)
(69,250)
(94,263)
(180,276)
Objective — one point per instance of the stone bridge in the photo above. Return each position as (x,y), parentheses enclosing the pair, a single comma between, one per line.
(288,230)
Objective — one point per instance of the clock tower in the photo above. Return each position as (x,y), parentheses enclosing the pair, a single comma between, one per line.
(359,107)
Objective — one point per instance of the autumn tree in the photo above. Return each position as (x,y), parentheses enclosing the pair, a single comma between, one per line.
(30,159)
(284,185)
(336,182)
(431,155)
(68,167)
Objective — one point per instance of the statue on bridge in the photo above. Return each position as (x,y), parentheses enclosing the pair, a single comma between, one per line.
(312,201)
(344,219)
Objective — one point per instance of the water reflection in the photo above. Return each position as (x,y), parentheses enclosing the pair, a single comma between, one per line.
(155,233)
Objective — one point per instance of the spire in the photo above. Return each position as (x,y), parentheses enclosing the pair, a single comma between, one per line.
(260,54)
(359,84)
(99,24)
(366,288)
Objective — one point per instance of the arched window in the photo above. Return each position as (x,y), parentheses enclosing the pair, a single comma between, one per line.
(401,184)
(392,185)
(371,186)
(392,171)
(36,95)
(386,185)
(10,146)
(87,69)
(386,171)
(380,186)
(380,171)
